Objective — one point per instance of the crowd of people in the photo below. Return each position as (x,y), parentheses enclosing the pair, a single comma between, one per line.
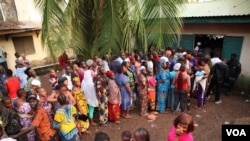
(153,83)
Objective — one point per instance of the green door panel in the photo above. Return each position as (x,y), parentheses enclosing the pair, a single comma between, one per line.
(231,44)
(187,42)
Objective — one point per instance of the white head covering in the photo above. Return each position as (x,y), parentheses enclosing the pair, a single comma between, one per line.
(198,43)
(119,59)
(196,48)
(36,82)
(89,62)
(164,58)
(177,66)
(184,53)
(127,60)
(142,68)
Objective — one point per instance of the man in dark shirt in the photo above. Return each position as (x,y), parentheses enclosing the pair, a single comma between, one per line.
(234,67)
(219,75)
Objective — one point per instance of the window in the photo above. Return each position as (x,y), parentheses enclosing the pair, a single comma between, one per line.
(24,44)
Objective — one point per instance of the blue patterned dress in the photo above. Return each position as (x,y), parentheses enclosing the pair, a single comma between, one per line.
(162,89)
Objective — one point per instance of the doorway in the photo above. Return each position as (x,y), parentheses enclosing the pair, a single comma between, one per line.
(209,44)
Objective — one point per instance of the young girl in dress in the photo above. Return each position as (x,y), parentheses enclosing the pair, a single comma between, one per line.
(151,89)
(182,128)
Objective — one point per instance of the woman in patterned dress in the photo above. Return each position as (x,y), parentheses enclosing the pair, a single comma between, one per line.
(81,105)
(64,120)
(151,89)
(102,95)
(163,84)
(142,91)
(25,113)
(114,98)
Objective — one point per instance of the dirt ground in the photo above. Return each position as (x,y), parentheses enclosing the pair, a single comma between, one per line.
(233,108)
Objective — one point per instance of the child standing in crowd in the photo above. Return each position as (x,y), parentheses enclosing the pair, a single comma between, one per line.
(151,89)
(182,128)
(114,98)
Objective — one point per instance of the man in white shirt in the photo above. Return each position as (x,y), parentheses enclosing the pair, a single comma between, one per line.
(216,58)
(105,62)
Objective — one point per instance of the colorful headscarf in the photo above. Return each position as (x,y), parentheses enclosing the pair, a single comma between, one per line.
(76,79)
(109,73)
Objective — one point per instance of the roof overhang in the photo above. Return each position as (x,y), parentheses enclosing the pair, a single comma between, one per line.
(13,27)
(221,19)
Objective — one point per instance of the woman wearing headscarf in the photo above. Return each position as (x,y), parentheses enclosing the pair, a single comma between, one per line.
(163,84)
(64,120)
(89,88)
(81,105)
(102,95)
(114,98)
(142,91)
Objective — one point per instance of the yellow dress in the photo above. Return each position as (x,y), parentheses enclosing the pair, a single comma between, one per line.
(83,105)
(65,122)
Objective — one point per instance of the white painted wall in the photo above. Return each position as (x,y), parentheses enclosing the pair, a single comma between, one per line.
(26,11)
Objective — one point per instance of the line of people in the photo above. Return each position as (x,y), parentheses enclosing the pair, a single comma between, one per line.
(153,83)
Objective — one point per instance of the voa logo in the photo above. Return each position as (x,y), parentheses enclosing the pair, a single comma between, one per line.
(236,132)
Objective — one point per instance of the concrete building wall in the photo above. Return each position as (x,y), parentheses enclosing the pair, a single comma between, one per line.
(8,10)
(38,58)
(26,11)
(242,30)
